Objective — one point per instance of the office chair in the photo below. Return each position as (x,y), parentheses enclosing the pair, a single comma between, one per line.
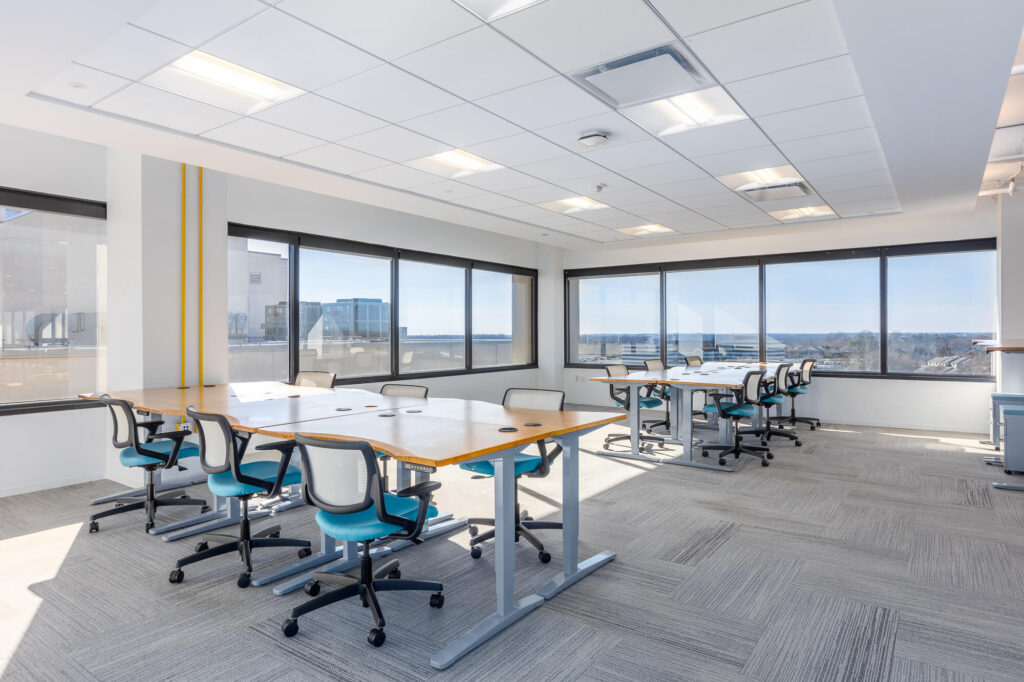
(405,391)
(342,479)
(620,396)
(741,404)
(697,361)
(156,451)
(534,466)
(798,386)
(220,453)
(662,393)
(694,361)
(773,393)
(315,379)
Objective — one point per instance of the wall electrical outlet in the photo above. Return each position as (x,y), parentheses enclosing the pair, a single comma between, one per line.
(580,378)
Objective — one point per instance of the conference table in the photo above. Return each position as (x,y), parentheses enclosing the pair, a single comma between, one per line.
(424,433)
(683,381)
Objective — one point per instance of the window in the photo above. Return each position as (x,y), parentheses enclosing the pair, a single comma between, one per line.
(615,319)
(53,269)
(502,319)
(348,298)
(827,310)
(713,314)
(431,317)
(258,309)
(937,304)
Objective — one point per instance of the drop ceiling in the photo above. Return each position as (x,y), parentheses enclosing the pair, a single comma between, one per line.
(386,84)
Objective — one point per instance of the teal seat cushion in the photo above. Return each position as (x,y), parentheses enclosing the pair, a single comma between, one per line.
(225,485)
(364,525)
(796,389)
(648,403)
(130,457)
(732,409)
(772,399)
(382,454)
(524,464)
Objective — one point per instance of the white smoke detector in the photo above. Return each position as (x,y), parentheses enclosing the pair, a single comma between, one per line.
(593,139)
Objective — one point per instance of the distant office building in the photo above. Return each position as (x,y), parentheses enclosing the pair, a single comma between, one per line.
(276,320)
(363,318)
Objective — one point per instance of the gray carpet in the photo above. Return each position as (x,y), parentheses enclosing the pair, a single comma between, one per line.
(867,554)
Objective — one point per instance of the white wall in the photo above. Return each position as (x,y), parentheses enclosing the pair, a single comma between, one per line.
(53,165)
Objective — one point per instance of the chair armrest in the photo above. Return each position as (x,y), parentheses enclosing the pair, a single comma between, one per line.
(418,490)
(718,398)
(411,531)
(169,460)
(285,447)
(176,435)
(151,426)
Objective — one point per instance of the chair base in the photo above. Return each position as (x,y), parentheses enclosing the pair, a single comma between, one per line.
(150,503)
(793,420)
(371,580)
(766,433)
(737,448)
(524,524)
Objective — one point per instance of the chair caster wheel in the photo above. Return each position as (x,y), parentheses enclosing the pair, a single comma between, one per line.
(376,637)
(797,443)
(473,530)
(764,462)
(437,600)
(94,526)
(721,461)
(202,546)
(769,455)
(149,526)
(703,453)
(394,574)
(476,552)
(244,579)
(543,556)
(290,627)
(275,534)
(312,588)
(205,509)
(764,444)
(176,576)
(304,552)
(813,427)
(1005,471)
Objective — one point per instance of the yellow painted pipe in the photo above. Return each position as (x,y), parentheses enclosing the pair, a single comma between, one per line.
(200,275)
(182,384)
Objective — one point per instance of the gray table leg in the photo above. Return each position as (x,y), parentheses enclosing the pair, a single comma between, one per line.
(350,555)
(509,610)
(159,488)
(329,552)
(1007,486)
(233,516)
(684,397)
(634,431)
(220,510)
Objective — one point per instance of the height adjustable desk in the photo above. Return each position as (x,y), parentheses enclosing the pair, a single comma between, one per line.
(1012,385)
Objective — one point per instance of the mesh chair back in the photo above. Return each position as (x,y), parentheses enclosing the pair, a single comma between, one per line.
(617,370)
(694,361)
(752,386)
(654,365)
(125,431)
(216,441)
(534,398)
(805,371)
(338,476)
(404,390)
(781,374)
(314,379)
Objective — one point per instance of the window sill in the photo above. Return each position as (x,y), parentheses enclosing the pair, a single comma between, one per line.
(7,409)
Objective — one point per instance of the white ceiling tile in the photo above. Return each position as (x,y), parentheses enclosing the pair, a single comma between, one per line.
(338,159)
(195,21)
(544,103)
(652,208)
(538,194)
(281,46)
(462,125)
(664,173)
(720,198)
(716,139)
(739,222)
(633,155)
(499,180)
(402,177)
(636,195)
(684,220)
(387,29)
(475,64)
(488,202)
(835,144)
(1012,111)
(320,117)
(850,196)
(689,18)
(523,212)
(618,129)
(557,221)
(395,144)
(448,190)
(838,183)
(821,119)
(867,208)
(576,227)
(842,165)
(684,189)
(799,34)
(571,34)
(517,150)
(612,217)
(732,212)
(81,85)
(249,133)
(742,160)
(562,168)
(390,93)
(802,86)
(164,109)
(132,53)
(587,185)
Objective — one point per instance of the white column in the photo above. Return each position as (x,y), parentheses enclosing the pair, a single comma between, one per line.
(550,334)
(1010,366)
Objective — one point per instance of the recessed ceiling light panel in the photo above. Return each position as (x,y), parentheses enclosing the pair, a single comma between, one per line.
(642,230)
(677,114)
(573,205)
(791,215)
(454,164)
(489,10)
(650,75)
(767,184)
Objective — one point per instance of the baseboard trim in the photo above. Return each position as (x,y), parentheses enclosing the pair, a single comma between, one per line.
(52,483)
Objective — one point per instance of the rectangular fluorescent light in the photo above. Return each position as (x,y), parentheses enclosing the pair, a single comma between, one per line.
(212,80)
(489,10)
(454,164)
(573,205)
(7,213)
(699,109)
(757,179)
(790,215)
(641,230)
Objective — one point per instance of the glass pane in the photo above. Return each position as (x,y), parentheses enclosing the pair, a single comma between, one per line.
(937,305)
(257,310)
(345,301)
(826,310)
(713,314)
(502,319)
(52,306)
(432,317)
(615,319)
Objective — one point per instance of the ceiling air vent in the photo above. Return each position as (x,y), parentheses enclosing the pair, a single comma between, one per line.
(646,76)
(787,190)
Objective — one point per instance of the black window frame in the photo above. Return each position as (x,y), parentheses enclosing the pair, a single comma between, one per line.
(297,240)
(882,253)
